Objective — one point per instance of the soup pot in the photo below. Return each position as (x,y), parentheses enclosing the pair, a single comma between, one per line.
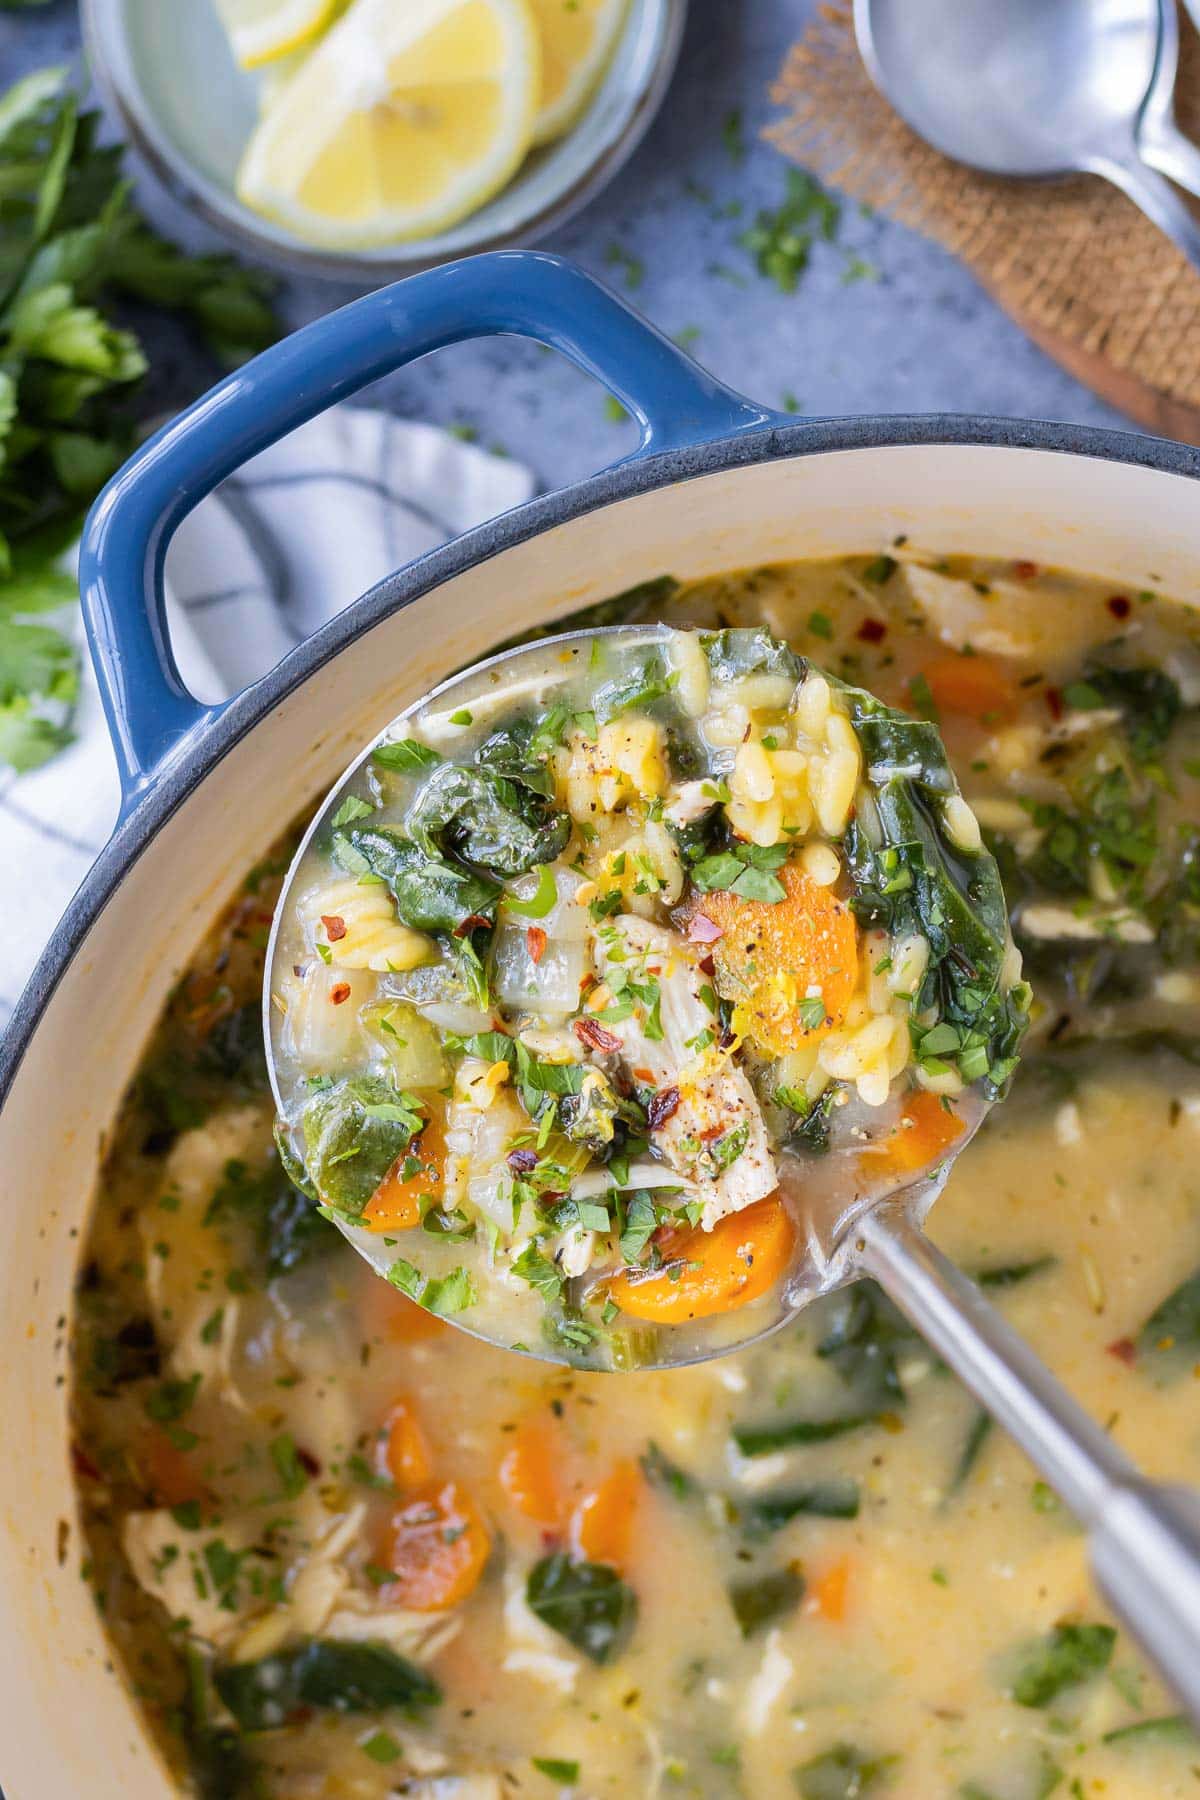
(716,483)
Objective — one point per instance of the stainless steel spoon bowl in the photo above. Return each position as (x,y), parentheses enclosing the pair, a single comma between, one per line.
(1031,89)
(1145,1538)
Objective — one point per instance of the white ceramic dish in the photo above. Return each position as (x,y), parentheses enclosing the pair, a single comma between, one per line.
(166,69)
(748,490)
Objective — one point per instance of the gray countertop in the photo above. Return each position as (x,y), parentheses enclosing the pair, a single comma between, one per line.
(918,335)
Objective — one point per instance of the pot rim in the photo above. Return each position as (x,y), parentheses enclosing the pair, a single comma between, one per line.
(216,738)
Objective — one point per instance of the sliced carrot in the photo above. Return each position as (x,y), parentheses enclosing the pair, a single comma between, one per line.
(436,1548)
(602,1524)
(716,1271)
(925,1129)
(406,1455)
(412,1182)
(976,686)
(829,1592)
(771,957)
(170,1474)
(531,1473)
(389,1316)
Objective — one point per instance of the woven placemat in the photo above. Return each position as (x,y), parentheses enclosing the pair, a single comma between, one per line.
(1073,262)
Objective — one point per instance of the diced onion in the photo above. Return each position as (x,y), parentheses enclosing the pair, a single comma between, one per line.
(551,985)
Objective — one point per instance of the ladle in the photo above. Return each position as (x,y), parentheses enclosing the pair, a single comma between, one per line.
(1144,1536)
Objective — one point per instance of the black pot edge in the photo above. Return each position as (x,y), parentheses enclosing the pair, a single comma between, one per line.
(396,591)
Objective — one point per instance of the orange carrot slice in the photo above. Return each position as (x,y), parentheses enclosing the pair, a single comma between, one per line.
(406,1455)
(772,957)
(530,1473)
(717,1271)
(413,1181)
(925,1129)
(602,1524)
(170,1474)
(975,686)
(436,1548)
(829,1592)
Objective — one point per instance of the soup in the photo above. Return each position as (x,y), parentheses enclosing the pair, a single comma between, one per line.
(622,968)
(344,1550)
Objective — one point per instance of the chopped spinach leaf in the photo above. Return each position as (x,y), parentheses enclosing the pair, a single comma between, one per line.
(1066,1656)
(763,1440)
(429,892)
(842,1773)
(761,1599)
(1174,1728)
(737,652)
(978,1432)
(353,1133)
(835,1497)
(1170,1337)
(586,1603)
(333,1677)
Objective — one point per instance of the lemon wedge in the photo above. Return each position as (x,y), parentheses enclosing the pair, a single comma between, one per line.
(402,120)
(261,30)
(578,39)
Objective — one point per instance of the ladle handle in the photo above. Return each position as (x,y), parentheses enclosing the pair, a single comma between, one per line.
(1144,1535)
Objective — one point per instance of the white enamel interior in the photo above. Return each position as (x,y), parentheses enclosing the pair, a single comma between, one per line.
(67,1727)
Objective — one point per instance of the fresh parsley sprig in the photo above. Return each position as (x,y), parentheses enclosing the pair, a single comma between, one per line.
(71,246)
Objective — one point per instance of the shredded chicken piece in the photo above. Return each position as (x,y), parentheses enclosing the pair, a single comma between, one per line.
(716,1111)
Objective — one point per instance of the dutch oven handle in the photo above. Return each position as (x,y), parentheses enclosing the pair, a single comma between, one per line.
(151,715)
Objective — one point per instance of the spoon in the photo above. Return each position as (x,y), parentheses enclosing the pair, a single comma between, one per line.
(1145,1537)
(1159,139)
(1034,89)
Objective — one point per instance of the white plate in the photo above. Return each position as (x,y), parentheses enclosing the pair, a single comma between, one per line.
(166,68)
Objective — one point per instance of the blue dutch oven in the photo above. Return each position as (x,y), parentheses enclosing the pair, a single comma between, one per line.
(715,483)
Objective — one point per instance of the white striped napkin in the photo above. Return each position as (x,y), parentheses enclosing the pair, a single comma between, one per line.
(286,543)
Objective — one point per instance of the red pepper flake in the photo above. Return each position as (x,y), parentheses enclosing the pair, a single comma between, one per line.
(663,1106)
(83,1463)
(308,1462)
(707,966)
(339,992)
(522,1161)
(1025,571)
(1125,1350)
(472,922)
(871,631)
(1119,606)
(535,943)
(335,927)
(596,1037)
(1054,701)
(646,1075)
(712,1132)
(703,930)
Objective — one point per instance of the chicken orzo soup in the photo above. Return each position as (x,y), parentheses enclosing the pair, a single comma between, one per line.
(345,1550)
(616,968)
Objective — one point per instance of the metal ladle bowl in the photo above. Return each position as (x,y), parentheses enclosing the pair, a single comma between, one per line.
(1145,1537)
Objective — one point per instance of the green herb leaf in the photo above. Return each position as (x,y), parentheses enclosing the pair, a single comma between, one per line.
(1068,1655)
(333,1677)
(760,1600)
(586,1603)
(405,755)
(556,1768)
(842,1773)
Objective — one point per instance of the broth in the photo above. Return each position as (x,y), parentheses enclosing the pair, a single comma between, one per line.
(810,1568)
